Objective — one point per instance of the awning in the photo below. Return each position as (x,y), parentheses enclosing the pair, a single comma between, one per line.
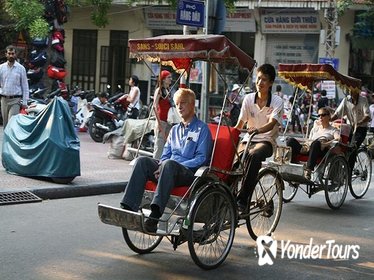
(180,50)
(304,75)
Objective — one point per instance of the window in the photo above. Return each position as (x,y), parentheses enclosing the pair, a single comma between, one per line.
(114,62)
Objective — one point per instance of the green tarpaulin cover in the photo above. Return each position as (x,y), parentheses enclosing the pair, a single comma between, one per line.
(46,145)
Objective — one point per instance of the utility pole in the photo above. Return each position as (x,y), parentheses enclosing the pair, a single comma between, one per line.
(206,70)
(331,17)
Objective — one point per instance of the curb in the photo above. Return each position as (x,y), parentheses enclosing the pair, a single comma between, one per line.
(77,191)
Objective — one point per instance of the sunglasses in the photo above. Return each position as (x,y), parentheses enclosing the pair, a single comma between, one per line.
(322,115)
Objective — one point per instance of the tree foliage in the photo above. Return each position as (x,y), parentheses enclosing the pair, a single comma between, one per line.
(27,15)
(364,26)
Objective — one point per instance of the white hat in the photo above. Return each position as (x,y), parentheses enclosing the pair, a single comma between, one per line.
(235,87)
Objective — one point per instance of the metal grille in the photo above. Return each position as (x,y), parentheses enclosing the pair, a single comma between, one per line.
(18,197)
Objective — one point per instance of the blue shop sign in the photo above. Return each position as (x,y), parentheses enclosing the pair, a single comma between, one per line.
(190,13)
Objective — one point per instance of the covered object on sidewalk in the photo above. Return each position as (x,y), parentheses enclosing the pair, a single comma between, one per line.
(43,146)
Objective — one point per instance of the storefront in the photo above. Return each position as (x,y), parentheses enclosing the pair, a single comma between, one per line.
(240,28)
(292,36)
(361,63)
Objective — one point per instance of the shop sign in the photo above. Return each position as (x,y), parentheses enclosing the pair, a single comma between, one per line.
(241,20)
(276,21)
(164,18)
(161,18)
(330,88)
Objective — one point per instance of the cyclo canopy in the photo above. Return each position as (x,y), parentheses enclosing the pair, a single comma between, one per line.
(304,75)
(179,51)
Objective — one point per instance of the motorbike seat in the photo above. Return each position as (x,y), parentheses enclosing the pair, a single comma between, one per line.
(110,109)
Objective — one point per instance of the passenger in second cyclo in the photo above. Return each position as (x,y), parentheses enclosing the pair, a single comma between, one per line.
(320,139)
(262,113)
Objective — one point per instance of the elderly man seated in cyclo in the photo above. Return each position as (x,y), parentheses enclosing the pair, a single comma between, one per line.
(188,147)
(320,138)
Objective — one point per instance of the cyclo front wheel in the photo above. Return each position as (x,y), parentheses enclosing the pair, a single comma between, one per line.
(265,204)
(336,181)
(140,242)
(211,228)
(361,174)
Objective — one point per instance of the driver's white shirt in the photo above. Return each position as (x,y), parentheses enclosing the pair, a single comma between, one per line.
(354,113)
(255,117)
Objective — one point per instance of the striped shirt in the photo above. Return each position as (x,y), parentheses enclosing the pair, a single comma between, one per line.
(13,81)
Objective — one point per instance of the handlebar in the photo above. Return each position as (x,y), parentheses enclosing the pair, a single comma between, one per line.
(250,135)
(115,97)
(54,93)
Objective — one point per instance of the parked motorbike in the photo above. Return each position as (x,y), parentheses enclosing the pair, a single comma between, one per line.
(107,118)
(81,98)
(37,102)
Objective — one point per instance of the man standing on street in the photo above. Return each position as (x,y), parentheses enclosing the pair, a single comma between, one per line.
(13,86)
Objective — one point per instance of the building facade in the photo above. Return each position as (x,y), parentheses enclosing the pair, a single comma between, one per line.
(269,31)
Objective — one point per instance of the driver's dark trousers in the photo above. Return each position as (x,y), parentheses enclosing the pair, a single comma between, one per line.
(258,152)
(358,139)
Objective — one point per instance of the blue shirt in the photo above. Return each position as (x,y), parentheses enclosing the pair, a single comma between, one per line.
(191,146)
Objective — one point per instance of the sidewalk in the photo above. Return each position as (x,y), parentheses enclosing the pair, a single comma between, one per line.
(99,175)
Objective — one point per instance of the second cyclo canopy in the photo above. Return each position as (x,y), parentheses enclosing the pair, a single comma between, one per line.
(304,75)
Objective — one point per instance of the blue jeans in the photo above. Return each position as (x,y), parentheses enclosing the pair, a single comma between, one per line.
(172,174)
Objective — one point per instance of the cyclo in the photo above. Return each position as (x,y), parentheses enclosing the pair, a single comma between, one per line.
(204,214)
(332,172)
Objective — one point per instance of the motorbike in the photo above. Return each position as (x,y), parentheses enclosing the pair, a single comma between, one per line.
(109,117)
(81,98)
(37,102)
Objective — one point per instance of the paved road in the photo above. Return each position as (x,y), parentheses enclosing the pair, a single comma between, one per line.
(64,239)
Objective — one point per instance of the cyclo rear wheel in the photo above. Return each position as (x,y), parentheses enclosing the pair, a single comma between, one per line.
(140,242)
(336,181)
(290,190)
(211,228)
(265,204)
(361,174)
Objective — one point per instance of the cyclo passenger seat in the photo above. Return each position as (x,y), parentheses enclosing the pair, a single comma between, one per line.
(344,129)
(223,155)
